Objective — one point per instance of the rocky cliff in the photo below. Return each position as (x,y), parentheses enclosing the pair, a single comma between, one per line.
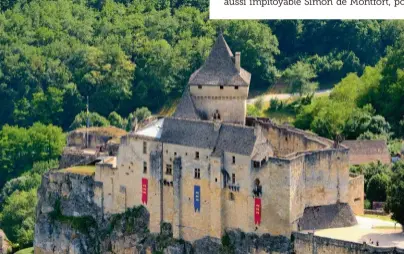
(68,221)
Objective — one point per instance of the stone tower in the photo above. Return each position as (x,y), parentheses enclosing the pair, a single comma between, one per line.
(219,89)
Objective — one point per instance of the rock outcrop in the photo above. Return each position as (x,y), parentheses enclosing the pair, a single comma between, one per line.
(68,221)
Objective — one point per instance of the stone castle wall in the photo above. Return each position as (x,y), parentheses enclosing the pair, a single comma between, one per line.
(286,140)
(230,102)
(307,243)
(356,195)
(121,187)
(290,185)
(318,178)
(274,176)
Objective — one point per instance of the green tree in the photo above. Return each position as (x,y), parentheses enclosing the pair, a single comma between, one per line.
(395,197)
(95,120)
(142,113)
(46,142)
(116,120)
(257,57)
(377,188)
(17,218)
(48,107)
(20,148)
(300,77)
(253,111)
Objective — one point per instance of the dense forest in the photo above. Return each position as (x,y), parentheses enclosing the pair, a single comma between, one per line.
(127,54)
(130,57)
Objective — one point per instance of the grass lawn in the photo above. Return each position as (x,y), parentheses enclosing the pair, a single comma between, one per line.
(26,251)
(380,217)
(82,170)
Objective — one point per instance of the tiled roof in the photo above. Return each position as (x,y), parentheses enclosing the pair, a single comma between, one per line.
(235,139)
(219,68)
(186,108)
(203,134)
(366,151)
(189,133)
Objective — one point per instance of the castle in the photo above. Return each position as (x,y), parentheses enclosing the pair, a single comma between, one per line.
(209,168)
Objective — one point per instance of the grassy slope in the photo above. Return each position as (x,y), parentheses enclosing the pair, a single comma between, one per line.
(26,251)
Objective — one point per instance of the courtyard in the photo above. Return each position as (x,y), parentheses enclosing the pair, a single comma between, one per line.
(373,231)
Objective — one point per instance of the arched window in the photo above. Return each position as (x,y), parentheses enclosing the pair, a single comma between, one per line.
(216,115)
(257,191)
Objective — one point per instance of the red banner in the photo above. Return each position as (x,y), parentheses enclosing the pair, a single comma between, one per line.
(257,211)
(144,190)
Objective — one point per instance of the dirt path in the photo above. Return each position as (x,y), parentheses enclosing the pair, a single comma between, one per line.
(284,96)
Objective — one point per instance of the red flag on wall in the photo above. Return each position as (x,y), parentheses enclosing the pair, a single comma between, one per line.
(144,190)
(257,211)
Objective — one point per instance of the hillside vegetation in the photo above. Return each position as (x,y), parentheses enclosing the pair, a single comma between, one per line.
(134,57)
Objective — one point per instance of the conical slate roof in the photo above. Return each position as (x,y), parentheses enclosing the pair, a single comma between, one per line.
(186,107)
(219,68)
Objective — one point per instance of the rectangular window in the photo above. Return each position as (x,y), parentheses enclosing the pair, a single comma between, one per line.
(169,169)
(234,159)
(144,147)
(221,87)
(197,173)
(236,87)
(233,178)
(199,87)
(144,167)
(197,155)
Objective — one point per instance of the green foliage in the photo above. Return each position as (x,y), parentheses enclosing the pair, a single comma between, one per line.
(21,147)
(377,187)
(227,247)
(347,112)
(253,111)
(27,181)
(259,103)
(17,218)
(367,204)
(95,120)
(257,57)
(118,121)
(300,77)
(390,94)
(370,170)
(395,146)
(275,104)
(141,114)
(395,197)
(83,224)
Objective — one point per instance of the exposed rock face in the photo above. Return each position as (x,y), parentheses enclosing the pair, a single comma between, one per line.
(330,216)
(68,221)
(73,156)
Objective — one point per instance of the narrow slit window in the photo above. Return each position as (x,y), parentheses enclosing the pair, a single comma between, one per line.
(169,169)
(233,178)
(144,167)
(234,159)
(197,155)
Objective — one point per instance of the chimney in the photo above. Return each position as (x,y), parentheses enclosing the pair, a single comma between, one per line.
(237,61)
